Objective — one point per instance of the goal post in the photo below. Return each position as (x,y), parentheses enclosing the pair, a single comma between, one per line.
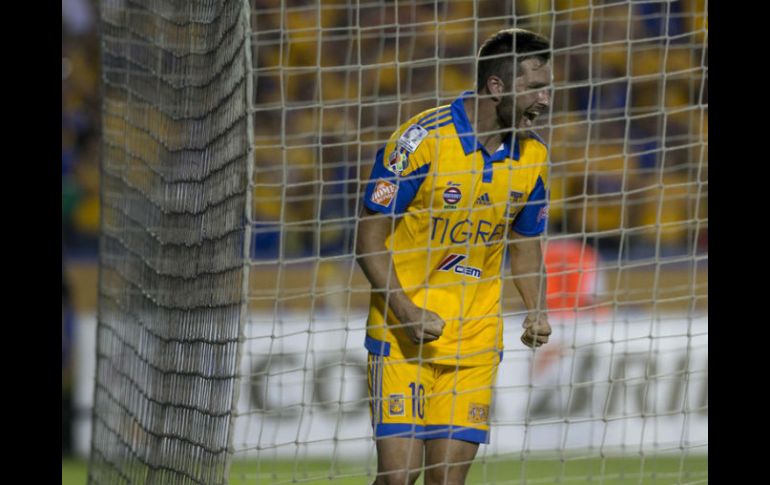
(238,139)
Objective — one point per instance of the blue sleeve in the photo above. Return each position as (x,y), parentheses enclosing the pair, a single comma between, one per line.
(389,193)
(532,219)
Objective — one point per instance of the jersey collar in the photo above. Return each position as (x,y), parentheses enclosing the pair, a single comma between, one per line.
(468,138)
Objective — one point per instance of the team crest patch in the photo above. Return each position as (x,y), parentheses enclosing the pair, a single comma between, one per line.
(513,202)
(396,404)
(397,161)
(383,192)
(412,138)
(478,413)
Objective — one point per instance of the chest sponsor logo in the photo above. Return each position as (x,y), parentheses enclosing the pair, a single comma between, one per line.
(478,413)
(396,404)
(397,161)
(452,264)
(412,138)
(383,192)
(445,229)
(452,195)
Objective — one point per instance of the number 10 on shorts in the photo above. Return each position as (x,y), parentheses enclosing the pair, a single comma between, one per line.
(418,400)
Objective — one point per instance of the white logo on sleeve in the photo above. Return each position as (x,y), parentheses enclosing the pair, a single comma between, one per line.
(412,138)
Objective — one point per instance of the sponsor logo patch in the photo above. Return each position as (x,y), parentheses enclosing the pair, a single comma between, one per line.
(483,200)
(452,263)
(543,214)
(478,413)
(383,192)
(412,138)
(396,404)
(452,196)
(397,161)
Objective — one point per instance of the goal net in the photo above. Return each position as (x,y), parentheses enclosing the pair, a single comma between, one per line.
(237,129)
(175,173)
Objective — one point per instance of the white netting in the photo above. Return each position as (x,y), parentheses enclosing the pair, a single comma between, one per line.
(175,165)
(198,103)
(626,371)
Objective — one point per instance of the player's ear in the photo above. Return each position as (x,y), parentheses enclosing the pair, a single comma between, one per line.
(495,87)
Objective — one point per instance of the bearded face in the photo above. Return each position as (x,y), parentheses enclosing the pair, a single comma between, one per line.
(530,96)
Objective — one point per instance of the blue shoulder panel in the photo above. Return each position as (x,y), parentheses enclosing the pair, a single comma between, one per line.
(533,217)
(406,187)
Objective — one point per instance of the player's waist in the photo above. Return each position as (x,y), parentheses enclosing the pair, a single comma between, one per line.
(442,351)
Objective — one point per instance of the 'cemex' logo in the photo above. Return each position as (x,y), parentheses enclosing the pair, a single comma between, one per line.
(452,263)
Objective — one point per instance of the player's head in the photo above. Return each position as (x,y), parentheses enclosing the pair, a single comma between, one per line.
(514,68)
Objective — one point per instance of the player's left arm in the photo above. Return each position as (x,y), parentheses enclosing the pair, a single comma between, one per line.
(528,270)
(527,263)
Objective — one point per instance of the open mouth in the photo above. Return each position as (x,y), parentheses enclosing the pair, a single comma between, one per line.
(527,118)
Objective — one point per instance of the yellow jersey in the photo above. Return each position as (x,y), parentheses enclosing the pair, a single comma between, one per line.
(454,204)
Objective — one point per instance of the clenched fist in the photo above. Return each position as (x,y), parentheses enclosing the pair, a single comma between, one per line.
(422,325)
(536,330)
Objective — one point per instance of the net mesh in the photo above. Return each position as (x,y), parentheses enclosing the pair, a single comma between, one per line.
(626,246)
(197,175)
(174,198)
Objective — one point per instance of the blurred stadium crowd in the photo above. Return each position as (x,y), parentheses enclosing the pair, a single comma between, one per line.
(629,162)
(80,128)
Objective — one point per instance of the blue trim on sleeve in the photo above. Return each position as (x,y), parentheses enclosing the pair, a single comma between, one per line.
(379,172)
(377,347)
(526,222)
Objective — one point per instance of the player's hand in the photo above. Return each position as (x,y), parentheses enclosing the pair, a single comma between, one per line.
(422,325)
(536,330)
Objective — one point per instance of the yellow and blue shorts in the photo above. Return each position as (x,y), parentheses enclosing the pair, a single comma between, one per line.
(422,400)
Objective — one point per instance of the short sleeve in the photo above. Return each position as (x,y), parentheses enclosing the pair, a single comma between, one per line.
(399,169)
(532,219)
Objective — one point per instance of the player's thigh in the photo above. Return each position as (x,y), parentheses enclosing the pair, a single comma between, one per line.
(448,461)
(398,389)
(399,460)
(460,402)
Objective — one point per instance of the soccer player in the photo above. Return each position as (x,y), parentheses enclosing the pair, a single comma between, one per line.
(449,191)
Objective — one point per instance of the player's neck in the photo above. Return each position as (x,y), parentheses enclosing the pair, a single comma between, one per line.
(485,122)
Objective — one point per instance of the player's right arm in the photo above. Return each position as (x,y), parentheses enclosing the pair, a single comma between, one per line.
(398,172)
(377,264)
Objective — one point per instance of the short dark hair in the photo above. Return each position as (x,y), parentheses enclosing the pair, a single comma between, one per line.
(491,60)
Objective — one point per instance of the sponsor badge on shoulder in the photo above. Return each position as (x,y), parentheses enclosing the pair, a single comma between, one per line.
(383,192)
(397,161)
(412,138)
